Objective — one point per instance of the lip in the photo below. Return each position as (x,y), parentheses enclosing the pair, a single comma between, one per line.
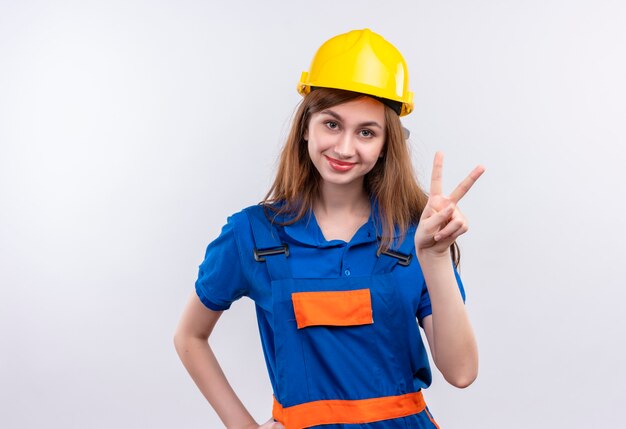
(337,165)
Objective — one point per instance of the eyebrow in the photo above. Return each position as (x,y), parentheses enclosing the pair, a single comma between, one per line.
(362,124)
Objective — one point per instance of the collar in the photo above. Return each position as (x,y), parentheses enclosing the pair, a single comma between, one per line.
(307,231)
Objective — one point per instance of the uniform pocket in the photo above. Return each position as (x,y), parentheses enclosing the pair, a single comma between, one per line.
(333,308)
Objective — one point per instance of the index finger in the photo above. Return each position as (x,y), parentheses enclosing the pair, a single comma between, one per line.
(467,183)
(435,178)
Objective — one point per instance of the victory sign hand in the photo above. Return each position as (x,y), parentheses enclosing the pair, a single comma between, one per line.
(442,222)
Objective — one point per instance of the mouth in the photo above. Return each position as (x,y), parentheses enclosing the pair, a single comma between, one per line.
(338,165)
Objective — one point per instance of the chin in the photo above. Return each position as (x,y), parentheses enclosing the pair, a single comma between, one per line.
(341,181)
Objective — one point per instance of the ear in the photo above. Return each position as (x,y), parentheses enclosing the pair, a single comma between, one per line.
(305,135)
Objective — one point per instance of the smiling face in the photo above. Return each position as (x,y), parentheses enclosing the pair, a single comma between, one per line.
(345,141)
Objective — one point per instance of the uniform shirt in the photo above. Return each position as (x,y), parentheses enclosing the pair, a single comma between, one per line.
(229,271)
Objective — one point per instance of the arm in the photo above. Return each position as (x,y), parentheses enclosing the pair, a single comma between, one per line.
(191,342)
(448,330)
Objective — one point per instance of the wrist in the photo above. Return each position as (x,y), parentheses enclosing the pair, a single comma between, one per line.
(430,254)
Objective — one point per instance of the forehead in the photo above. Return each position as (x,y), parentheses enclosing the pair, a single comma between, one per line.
(360,109)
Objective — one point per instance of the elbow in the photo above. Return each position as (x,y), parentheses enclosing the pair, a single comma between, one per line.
(462,379)
(461,375)
(178,342)
(181,341)
(459,369)
(462,382)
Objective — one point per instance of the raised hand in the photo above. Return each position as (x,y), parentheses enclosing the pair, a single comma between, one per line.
(442,222)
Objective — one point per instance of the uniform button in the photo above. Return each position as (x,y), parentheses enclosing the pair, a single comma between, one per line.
(347,272)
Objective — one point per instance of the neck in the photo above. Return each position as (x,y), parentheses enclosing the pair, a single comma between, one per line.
(342,199)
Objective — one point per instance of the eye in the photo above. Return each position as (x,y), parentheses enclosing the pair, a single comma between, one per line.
(332,125)
(366,133)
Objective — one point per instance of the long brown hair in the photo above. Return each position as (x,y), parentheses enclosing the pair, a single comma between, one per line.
(391,183)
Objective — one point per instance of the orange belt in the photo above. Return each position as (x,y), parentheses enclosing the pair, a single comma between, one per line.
(348,411)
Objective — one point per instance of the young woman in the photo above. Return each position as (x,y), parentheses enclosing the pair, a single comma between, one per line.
(341,258)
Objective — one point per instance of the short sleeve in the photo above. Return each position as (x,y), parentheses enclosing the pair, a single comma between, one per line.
(424,309)
(221,280)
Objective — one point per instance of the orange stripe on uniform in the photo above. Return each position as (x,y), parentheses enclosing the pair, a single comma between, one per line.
(335,308)
(430,417)
(345,411)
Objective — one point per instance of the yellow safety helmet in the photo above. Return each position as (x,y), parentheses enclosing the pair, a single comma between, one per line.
(361,61)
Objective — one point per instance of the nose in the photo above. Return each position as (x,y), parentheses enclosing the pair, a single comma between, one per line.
(345,147)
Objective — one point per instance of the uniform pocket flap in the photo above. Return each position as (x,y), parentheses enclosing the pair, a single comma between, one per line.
(333,308)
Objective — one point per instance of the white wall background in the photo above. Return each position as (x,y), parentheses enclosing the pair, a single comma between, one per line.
(129,130)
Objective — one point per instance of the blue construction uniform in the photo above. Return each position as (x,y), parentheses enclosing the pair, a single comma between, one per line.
(316,360)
